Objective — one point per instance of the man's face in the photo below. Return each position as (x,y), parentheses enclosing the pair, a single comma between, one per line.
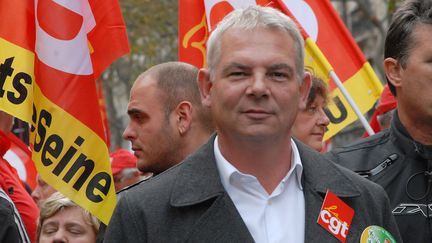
(414,93)
(255,92)
(311,124)
(152,134)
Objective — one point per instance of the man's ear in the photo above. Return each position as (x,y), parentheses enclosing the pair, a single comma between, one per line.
(304,90)
(205,86)
(393,71)
(183,113)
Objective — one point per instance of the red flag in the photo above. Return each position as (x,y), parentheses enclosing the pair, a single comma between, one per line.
(328,31)
(103,110)
(51,53)
(19,156)
(193,32)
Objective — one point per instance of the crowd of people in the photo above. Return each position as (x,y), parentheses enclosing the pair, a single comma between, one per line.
(233,152)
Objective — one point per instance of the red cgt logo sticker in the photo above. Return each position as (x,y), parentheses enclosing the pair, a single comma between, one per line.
(335,216)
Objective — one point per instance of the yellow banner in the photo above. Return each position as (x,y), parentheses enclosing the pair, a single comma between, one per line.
(68,155)
(315,61)
(16,80)
(364,94)
(363,87)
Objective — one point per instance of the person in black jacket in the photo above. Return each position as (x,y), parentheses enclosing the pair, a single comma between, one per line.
(11,227)
(400,158)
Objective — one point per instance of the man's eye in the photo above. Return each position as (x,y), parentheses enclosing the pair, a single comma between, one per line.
(278,75)
(237,74)
(137,117)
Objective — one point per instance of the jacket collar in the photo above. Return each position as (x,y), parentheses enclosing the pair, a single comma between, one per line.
(197,182)
(404,142)
(320,174)
(198,179)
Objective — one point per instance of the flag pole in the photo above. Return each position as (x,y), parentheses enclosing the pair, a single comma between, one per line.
(354,106)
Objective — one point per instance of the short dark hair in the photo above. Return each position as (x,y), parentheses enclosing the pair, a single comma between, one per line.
(178,81)
(399,36)
(318,87)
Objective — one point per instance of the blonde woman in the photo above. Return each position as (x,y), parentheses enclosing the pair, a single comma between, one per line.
(61,220)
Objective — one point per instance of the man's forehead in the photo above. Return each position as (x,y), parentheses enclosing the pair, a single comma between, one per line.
(270,66)
(143,88)
(143,81)
(234,31)
(144,99)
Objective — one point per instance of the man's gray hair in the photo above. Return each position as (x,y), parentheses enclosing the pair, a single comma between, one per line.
(248,19)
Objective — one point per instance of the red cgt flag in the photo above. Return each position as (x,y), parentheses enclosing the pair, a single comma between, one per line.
(51,53)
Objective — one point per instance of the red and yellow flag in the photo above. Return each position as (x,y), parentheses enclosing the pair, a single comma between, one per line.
(51,53)
(19,156)
(328,47)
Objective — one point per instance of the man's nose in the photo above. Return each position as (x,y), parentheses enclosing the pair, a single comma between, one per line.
(128,133)
(258,85)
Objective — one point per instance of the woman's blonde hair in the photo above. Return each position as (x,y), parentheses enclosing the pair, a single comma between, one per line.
(58,202)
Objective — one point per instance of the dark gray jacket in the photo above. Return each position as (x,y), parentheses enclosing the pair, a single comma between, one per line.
(188,203)
(395,161)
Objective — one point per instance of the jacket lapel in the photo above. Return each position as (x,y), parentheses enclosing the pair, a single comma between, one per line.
(320,174)
(221,223)
(198,185)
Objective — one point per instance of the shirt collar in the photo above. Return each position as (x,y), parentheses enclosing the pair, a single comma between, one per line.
(226,169)
(296,163)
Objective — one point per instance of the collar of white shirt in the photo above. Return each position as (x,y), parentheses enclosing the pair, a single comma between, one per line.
(227,170)
(278,217)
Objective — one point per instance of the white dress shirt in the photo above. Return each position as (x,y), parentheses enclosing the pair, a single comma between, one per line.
(279,217)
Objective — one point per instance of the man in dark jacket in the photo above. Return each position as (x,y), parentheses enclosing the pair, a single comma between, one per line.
(400,158)
(252,182)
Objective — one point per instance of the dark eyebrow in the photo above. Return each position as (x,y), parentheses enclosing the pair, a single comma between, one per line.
(133,111)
